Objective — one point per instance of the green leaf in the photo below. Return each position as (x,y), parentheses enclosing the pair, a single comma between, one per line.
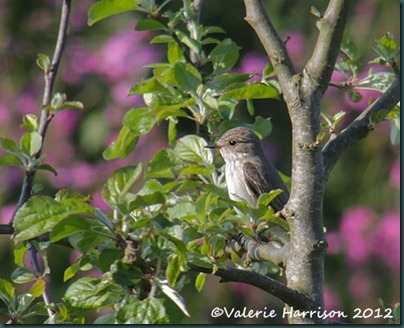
(7,292)
(107,8)
(43,62)
(182,210)
(378,81)
(119,183)
(173,269)
(31,143)
(187,77)
(123,146)
(38,288)
(22,276)
(58,100)
(251,91)
(354,95)
(126,274)
(172,130)
(87,293)
(161,165)
(72,105)
(250,107)
(174,53)
(173,295)
(147,311)
(139,121)
(19,253)
(41,214)
(106,319)
(148,25)
(47,167)
(262,126)
(162,38)
(64,194)
(30,122)
(108,257)
(9,160)
(224,56)
(10,146)
(224,80)
(68,227)
(71,271)
(200,281)
(191,148)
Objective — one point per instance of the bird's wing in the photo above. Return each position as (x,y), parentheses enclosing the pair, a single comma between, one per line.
(261,181)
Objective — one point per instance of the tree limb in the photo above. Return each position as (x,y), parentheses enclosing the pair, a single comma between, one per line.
(46,116)
(360,127)
(332,25)
(272,286)
(257,17)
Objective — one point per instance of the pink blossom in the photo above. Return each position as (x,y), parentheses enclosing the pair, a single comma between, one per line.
(6,213)
(360,286)
(98,201)
(4,114)
(395,174)
(386,242)
(26,104)
(355,234)
(251,63)
(296,46)
(331,299)
(334,243)
(65,122)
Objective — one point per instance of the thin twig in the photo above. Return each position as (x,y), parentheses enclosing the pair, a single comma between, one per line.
(46,116)
(359,128)
(332,25)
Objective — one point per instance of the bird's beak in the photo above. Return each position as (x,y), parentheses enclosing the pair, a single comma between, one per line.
(212,146)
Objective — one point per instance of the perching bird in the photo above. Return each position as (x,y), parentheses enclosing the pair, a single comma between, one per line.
(248,172)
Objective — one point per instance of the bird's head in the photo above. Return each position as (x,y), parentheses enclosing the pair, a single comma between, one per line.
(237,143)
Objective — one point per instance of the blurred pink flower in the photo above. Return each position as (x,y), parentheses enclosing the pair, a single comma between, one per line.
(6,213)
(334,242)
(331,299)
(295,45)
(124,55)
(395,174)
(4,114)
(26,103)
(386,243)
(360,286)
(120,93)
(355,230)
(98,201)
(252,62)
(65,122)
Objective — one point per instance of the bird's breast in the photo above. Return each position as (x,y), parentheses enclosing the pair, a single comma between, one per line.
(237,188)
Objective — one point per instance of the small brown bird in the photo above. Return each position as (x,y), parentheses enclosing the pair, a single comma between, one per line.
(248,172)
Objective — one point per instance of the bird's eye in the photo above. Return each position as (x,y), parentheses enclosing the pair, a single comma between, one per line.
(232,142)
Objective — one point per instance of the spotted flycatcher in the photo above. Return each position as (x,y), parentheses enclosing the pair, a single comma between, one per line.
(248,172)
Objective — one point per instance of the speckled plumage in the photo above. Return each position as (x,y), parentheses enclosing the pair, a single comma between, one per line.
(248,172)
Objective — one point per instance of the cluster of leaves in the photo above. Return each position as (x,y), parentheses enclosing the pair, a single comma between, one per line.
(196,82)
(349,65)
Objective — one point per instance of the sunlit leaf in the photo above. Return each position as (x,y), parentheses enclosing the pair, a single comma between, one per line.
(107,8)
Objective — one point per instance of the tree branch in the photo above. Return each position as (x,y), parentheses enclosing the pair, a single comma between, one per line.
(272,286)
(46,116)
(257,17)
(332,25)
(359,128)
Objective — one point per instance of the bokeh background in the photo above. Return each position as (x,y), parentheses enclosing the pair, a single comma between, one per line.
(101,63)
